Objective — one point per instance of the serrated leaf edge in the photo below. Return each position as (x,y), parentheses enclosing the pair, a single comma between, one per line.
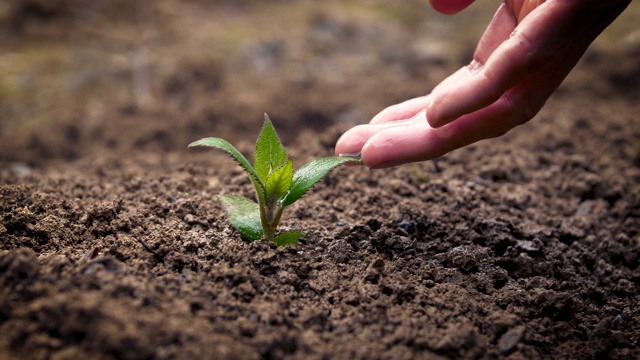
(237,156)
(267,127)
(290,200)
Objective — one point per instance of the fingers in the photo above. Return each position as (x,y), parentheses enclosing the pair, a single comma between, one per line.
(499,29)
(392,143)
(398,142)
(450,6)
(409,140)
(415,140)
(353,140)
(522,8)
(533,45)
(402,111)
(512,76)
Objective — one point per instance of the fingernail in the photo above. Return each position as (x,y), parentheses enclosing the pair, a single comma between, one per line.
(355,155)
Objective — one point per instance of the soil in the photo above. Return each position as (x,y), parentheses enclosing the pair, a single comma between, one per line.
(114,246)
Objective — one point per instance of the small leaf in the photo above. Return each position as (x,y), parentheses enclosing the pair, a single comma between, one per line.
(244,215)
(311,173)
(279,181)
(225,146)
(288,238)
(269,152)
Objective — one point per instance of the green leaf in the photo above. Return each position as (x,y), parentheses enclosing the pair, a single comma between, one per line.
(311,173)
(244,215)
(269,152)
(225,146)
(288,238)
(279,181)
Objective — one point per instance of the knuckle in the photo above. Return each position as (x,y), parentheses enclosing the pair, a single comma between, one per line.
(537,56)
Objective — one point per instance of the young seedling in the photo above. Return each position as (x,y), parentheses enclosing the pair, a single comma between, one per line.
(277,185)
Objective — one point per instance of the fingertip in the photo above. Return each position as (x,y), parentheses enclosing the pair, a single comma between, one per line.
(351,142)
(434,117)
(371,154)
(371,159)
(354,139)
(397,146)
(345,146)
(449,7)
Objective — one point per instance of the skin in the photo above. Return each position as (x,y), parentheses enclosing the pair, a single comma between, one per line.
(526,51)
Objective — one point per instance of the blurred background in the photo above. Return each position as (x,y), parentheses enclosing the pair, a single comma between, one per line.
(85,78)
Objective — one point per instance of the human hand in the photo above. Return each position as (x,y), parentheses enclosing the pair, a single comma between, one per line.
(524,54)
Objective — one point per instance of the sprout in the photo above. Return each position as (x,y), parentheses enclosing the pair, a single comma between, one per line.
(276,184)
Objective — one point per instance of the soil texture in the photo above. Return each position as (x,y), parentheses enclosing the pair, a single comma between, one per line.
(113,244)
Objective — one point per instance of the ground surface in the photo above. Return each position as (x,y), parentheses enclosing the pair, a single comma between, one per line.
(113,244)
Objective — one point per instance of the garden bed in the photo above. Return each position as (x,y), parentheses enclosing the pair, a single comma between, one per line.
(113,244)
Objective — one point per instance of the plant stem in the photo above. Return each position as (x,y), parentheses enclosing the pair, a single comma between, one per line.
(270,221)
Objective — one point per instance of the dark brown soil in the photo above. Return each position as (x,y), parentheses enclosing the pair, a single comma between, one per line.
(114,246)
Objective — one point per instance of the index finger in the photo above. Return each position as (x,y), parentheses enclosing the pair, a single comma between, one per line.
(533,45)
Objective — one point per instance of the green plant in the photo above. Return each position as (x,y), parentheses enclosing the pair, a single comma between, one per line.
(276,184)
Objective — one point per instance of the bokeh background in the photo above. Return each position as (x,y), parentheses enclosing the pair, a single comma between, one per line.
(86,78)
